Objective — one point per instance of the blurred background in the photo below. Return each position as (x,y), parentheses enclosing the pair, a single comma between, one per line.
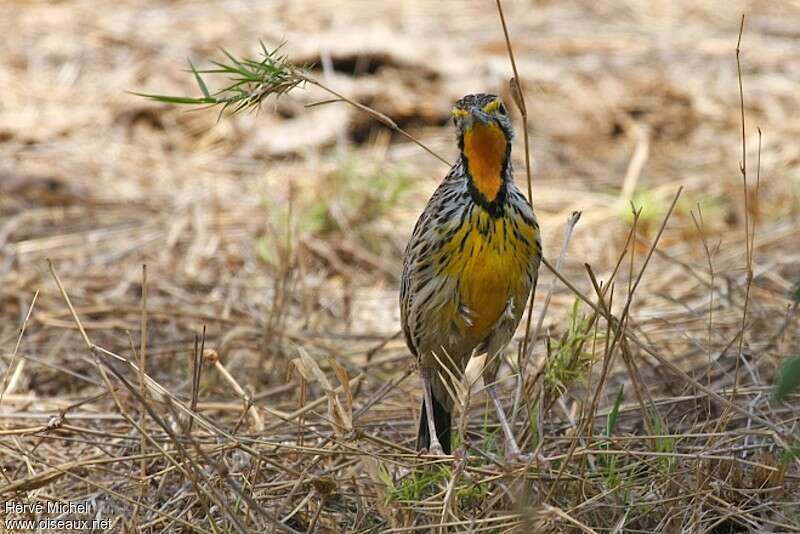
(284,228)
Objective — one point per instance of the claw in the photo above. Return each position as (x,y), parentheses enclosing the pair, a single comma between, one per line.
(508,313)
(436,450)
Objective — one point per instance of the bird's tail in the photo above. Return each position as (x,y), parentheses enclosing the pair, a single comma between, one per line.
(443,422)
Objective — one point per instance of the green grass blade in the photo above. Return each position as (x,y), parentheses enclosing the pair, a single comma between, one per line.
(200,81)
(790,456)
(168,99)
(249,82)
(788,378)
(613,417)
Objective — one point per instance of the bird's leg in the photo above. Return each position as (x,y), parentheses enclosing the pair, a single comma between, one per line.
(512,449)
(434,447)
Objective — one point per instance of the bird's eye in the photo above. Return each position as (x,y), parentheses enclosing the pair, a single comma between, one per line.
(502,109)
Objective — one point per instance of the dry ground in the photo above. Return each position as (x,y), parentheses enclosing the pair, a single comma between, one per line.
(279,234)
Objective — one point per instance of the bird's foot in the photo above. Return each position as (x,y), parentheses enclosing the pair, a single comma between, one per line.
(435,450)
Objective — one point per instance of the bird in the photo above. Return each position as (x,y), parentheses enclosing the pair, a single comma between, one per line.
(469,267)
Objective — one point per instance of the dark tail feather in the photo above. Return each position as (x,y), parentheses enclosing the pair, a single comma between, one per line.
(443,422)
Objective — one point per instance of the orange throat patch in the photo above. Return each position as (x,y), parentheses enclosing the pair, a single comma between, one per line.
(485,148)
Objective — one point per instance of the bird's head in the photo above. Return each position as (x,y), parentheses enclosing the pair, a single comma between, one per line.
(484,138)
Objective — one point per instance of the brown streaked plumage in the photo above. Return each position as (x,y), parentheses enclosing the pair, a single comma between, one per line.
(469,267)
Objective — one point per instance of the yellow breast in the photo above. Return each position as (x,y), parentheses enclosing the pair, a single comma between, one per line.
(490,259)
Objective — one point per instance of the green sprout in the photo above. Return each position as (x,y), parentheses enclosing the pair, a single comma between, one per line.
(251,82)
(612,476)
(570,361)
(419,485)
(788,378)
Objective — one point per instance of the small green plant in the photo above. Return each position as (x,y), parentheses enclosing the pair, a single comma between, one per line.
(420,485)
(472,494)
(250,82)
(533,422)
(569,361)
(608,460)
(491,443)
(613,416)
(791,455)
(665,444)
(788,378)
